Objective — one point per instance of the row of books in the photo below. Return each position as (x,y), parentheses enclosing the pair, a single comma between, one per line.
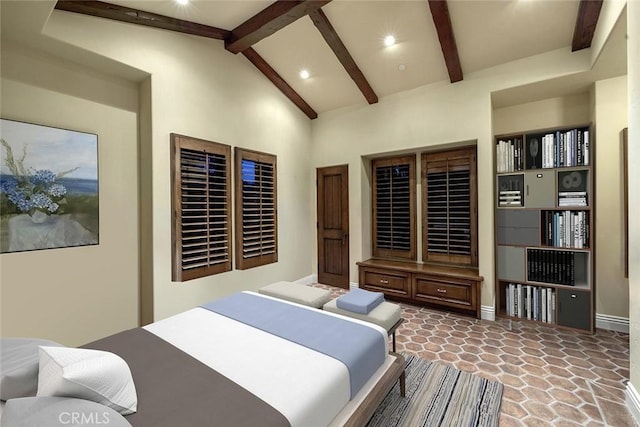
(509,155)
(572,198)
(567,229)
(531,302)
(561,149)
(510,198)
(551,266)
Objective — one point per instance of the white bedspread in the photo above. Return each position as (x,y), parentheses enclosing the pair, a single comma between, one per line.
(307,387)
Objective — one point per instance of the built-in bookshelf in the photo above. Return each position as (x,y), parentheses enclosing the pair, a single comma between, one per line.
(544,227)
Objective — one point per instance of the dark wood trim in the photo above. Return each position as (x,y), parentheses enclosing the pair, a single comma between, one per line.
(323,25)
(257,156)
(268,21)
(179,142)
(452,271)
(442,21)
(586,21)
(450,288)
(279,82)
(463,157)
(411,254)
(134,16)
(332,204)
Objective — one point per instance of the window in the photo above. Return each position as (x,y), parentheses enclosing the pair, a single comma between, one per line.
(449,206)
(256,214)
(394,202)
(201,206)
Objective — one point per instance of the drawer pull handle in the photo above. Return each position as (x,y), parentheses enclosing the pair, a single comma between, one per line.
(384,282)
(442,291)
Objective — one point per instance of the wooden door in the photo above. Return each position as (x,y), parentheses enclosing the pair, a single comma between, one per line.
(333,226)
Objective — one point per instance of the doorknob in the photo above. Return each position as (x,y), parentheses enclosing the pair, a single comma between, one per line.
(344,237)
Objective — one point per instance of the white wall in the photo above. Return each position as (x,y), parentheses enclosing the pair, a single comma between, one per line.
(75,295)
(201,90)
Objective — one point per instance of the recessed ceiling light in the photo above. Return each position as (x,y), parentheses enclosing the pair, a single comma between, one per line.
(304,74)
(182,2)
(389,40)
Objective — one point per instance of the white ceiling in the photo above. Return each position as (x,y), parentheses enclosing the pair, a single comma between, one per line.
(487,33)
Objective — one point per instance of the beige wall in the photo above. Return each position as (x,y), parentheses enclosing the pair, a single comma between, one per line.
(548,113)
(75,295)
(612,288)
(199,89)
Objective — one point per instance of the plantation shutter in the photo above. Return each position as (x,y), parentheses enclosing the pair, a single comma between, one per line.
(256,222)
(450,207)
(201,206)
(394,207)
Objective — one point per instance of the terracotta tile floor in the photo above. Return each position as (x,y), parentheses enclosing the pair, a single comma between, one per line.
(551,377)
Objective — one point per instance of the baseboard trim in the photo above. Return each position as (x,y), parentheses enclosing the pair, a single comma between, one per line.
(308,280)
(633,401)
(612,323)
(487,312)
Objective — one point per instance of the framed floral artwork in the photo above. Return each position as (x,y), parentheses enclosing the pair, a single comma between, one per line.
(48,187)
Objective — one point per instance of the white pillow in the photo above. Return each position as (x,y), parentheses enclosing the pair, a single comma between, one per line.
(87,374)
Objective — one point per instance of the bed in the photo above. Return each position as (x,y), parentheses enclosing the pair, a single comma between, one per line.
(240,361)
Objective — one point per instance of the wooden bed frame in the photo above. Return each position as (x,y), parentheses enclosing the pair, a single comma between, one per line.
(367,408)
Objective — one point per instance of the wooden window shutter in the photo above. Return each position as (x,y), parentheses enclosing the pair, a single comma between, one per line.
(201,206)
(449,204)
(256,209)
(394,203)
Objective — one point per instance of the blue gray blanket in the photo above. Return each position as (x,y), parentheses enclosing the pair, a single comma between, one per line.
(360,348)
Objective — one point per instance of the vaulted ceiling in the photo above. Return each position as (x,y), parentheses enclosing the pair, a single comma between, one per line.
(340,42)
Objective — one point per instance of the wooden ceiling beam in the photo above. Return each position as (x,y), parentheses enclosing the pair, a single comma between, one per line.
(586,21)
(273,18)
(135,16)
(442,21)
(279,82)
(333,40)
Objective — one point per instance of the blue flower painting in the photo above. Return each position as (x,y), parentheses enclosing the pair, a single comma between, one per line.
(48,187)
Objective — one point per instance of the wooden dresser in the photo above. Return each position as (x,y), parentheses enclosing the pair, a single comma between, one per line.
(450,288)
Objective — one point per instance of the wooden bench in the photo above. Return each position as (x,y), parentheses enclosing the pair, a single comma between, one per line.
(443,287)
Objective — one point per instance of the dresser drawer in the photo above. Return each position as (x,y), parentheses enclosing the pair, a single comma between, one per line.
(452,292)
(390,282)
(437,286)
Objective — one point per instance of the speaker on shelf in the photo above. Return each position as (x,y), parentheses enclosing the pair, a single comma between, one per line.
(576,180)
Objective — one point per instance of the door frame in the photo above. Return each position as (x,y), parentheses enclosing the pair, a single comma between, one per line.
(334,280)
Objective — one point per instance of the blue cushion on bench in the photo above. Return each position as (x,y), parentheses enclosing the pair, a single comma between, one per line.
(360,301)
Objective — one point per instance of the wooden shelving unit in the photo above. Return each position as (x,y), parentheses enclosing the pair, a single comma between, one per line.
(545,225)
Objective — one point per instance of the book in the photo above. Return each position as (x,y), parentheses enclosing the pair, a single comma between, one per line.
(585,137)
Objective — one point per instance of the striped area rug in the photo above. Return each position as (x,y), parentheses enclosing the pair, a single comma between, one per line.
(440,395)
